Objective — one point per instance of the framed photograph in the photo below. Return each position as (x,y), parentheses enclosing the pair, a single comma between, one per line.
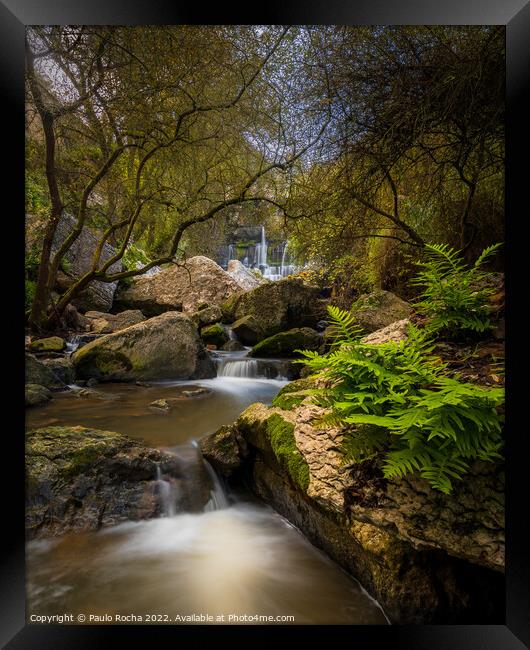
(268,384)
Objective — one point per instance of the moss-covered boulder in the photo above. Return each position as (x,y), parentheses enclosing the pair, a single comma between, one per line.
(207,315)
(79,478)
(214,335)
(378,309)
(37,395)
(49,344)
(286,344)
(427,557)
(293,393)
(279,306)
(248,330)
(164,347)
(40,373)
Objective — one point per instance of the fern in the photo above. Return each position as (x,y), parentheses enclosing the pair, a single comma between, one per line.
(396,399)
(452,298)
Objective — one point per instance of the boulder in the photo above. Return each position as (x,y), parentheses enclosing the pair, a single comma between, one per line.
(41,374)
(207,316)
(248,330)
(280,305)
(102,323)
(224,450)
(186,286)
(63,369)
(397,331)
(244,278)
(214,335)
(50,344)
(80,479)
(378,309)
(232,346)
(285,344)
(425,556)
(98,295)
(164,347)
(37,395)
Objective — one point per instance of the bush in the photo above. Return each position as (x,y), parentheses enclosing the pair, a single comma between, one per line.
(404,407)
(455,297)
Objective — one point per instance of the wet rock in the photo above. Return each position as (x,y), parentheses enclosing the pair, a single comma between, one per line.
(224,450)
(197,392)
(163,347)
(50,344)
(214,335)
(378,309)
(80,479)
(199,280)
(232,346)
(285,344)
(92,382)
(37,395)
(90,393)
(161,404)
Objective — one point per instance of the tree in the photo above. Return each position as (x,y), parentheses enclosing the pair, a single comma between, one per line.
(168,126)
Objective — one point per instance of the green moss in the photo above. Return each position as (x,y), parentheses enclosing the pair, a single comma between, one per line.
(281,436)
(82,460)
(98,362)
(287,344)
(289,400)
(228,308)
(214,335)
(50,344)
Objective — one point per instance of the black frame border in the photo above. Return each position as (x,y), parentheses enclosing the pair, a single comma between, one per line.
(515,15)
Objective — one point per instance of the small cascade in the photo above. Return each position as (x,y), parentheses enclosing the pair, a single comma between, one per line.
(244,368)
(218,499)
(165,491)
(72,345)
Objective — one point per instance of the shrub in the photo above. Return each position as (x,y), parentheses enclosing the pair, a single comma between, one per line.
(396,400)
(455,297)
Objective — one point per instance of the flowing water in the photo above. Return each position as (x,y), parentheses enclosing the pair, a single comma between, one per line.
(238,558)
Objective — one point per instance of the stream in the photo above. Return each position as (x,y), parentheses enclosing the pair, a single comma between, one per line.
(235,561)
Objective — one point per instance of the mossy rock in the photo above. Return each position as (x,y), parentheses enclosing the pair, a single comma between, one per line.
(287,344)
(376,310)
(281,436)
(50,344)
(214,335)
(228,308)
(36,395)
(248,330)
(294,393)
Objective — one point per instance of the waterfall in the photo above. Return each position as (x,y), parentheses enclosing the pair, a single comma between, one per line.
(165,491)
(231,252)
(218,499)
(72,345)
(242,368)
(262,257)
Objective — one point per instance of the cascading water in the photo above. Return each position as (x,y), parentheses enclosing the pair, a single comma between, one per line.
(242,368)
(165,491)
(72,345)
(218,499)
